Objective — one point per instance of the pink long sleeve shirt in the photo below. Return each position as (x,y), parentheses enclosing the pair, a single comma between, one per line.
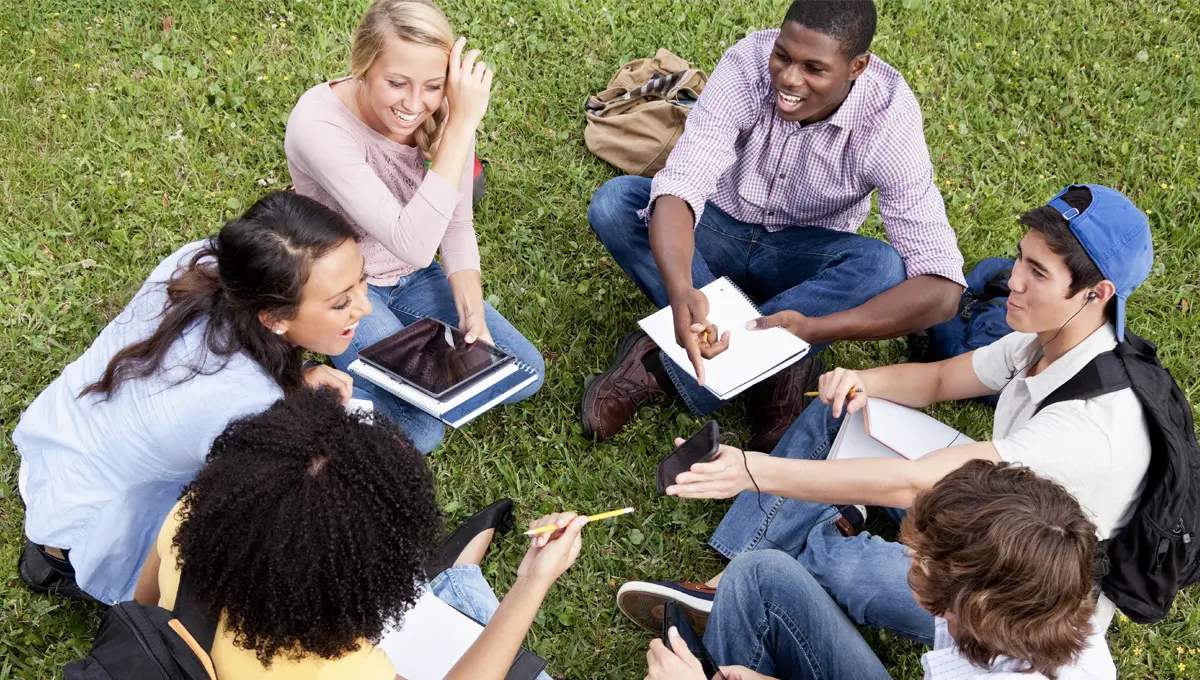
(404,211)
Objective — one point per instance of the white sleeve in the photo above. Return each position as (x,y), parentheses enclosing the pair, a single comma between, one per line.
(996,364)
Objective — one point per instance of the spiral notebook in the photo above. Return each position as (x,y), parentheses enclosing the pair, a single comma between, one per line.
(465,405)
(883,429)
(753,356)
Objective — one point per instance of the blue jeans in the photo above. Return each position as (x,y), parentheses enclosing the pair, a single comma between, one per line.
(810,270)
(865,574)
(425,292)
(464,588)
(772,616)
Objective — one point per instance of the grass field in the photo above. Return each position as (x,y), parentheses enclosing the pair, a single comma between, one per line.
(128,128)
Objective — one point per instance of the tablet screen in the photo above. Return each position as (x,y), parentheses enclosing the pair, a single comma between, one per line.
(433,356)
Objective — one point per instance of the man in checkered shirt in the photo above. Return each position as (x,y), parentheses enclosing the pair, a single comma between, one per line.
(768,185)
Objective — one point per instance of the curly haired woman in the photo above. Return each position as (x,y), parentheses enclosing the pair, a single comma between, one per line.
(308,532)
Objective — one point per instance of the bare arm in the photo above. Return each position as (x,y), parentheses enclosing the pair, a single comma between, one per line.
(887,482)
(913,305)
(549,555)
(673,242)
(146,591)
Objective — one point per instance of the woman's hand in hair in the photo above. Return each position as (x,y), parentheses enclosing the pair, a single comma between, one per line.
(326,376)
(468,86)
(553,552)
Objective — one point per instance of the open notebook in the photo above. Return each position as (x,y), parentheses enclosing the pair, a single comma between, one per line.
(753,356)
(883,429)
(463,406)
(433,636)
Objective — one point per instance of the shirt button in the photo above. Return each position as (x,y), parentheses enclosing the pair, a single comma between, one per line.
(771,213)
(782,176)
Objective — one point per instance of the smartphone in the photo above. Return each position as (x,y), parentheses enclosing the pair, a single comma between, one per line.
(433,357)
(699,448)
(674,616)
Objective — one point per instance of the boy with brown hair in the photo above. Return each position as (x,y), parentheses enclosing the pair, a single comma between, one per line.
(1002,557)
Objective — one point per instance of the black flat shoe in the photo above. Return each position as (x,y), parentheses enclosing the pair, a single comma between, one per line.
(498,516)
(41,576)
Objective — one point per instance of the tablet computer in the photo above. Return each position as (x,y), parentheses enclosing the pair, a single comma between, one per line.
(434,357)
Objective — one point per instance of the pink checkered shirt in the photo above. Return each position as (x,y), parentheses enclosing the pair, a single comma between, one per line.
(736,153)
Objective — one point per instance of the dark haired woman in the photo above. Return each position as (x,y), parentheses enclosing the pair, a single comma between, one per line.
(216,332)
(309,531)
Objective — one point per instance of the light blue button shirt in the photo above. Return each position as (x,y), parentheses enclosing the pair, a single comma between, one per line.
(98,476)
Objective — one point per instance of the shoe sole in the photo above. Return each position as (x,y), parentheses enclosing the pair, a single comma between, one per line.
(644,603)
(622,349)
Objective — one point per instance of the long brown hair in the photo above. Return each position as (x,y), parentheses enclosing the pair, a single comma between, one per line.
(416,21)
(257,263)
(1009,554)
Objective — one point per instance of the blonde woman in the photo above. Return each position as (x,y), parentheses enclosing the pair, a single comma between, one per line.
(391,148)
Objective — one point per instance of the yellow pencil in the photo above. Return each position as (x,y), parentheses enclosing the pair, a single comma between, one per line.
(853,391)
(591,518)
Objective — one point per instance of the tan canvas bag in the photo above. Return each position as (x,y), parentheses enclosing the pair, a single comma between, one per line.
(636,121)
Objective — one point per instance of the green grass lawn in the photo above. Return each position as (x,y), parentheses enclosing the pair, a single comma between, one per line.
(121,140)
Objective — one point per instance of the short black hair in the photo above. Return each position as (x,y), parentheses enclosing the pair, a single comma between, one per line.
(850,22)
(309,528)
(1050,223)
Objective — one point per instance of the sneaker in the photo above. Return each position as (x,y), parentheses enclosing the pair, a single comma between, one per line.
(612,400)
(644,602)
(852,520)
(42,577)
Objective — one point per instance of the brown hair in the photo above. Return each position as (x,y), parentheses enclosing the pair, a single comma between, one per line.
(416,21)
(1010,554)
(258,262)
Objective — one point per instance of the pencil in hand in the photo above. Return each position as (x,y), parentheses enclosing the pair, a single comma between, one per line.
(590,519)
(851,393)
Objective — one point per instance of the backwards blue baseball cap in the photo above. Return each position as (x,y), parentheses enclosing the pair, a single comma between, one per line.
(1116,235)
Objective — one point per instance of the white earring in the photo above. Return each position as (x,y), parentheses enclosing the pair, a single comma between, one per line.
(278,331)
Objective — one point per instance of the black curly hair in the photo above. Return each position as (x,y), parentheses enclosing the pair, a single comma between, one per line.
(851,22)
(308,528)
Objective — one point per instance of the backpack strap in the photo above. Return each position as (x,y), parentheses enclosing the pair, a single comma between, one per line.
(188,611)
(1104,374)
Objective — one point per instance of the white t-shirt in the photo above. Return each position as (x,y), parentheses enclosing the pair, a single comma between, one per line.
(945,662)
(1098,448)
(98,476)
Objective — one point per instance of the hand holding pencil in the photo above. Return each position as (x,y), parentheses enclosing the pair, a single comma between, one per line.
(844,390)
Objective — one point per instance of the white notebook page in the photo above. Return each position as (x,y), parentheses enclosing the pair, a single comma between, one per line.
(432,638)
(885,429)
(752,355)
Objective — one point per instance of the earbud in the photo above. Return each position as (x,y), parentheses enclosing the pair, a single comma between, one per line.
(1091,296)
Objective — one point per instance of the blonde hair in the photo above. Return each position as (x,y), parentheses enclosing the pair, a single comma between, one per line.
(416,21)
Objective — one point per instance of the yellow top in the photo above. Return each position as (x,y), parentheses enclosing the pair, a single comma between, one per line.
(368,663)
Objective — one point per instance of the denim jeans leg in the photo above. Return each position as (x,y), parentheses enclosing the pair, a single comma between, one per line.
(772,616)
(821,271)
(868,576)
(464,588)
(762,521)
(427,293)
(424,430)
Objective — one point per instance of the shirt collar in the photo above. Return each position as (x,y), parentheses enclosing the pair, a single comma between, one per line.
(1065,367)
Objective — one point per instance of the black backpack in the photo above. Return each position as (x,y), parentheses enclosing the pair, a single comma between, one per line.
(138,641)
(1152,557)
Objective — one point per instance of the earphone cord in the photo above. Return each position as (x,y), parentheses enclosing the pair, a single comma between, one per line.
(1042,348)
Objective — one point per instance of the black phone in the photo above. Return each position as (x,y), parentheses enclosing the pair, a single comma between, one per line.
(433,357)
(699,448)
(673,616)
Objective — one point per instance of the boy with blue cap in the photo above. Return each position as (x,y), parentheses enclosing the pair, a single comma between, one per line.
(1084,253)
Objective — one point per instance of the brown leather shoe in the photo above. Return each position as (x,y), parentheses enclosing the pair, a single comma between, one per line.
(644,601)
(778,401)
(614,397)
